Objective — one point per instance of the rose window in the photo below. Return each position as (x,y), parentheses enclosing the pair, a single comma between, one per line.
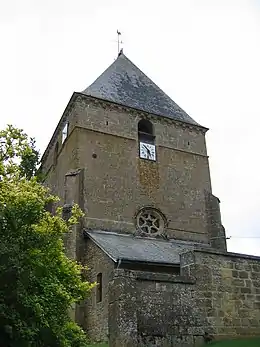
(150,221)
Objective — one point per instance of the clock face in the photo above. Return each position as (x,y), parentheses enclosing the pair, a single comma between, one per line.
(147,151)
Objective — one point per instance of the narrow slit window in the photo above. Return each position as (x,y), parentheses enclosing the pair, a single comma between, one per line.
(99,287)
(65,132)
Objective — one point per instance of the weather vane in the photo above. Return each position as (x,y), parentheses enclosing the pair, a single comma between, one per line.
(118,41)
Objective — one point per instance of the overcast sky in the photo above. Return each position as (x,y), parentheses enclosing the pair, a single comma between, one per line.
(204,53)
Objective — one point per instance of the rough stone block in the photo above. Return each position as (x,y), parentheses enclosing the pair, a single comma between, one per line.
(228,264)
(238,282)
(255,275)
(239,266)
(246,290)
(255,268)
(182,341)
(256,283)
(248,283)
(257,305)
(198,341)
(235,273)
(243,274)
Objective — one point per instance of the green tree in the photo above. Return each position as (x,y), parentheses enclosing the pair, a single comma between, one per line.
(38,282)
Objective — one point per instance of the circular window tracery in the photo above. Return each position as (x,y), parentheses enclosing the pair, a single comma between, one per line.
(150,221)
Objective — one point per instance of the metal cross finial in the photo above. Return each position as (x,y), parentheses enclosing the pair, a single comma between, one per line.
(118,41)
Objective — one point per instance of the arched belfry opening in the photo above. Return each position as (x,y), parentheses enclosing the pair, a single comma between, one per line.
(146,139)
(146,131)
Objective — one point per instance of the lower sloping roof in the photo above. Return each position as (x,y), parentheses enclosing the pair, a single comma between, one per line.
(134,248)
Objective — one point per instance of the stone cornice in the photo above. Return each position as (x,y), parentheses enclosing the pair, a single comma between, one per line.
(105,104)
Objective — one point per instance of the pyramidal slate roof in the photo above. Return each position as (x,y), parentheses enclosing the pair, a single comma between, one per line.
(124,83)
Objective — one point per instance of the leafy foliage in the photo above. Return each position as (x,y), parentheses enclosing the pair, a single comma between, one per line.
(38,283)
(18,154)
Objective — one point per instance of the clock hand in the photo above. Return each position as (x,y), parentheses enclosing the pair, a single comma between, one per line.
(148,151)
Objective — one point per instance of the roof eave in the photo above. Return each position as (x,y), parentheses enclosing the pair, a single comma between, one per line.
(140,110)
(149,262)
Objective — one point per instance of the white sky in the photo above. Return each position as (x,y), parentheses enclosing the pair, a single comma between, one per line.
(204,53)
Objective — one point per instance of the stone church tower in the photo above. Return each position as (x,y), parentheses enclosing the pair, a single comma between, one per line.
(137,165)
(140,153)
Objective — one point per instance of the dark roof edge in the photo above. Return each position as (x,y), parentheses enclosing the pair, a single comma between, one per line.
(140,110)
(149,262)
(73,97)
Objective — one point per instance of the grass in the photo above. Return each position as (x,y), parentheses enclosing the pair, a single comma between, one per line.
(99,345)
(254,342)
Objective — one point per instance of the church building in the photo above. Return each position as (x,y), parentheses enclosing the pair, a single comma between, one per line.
(152,237)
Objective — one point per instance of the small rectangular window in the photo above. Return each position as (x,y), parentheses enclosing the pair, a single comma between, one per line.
(64,132)
(99,287)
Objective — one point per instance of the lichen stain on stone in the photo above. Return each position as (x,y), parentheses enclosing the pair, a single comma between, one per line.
(149,175)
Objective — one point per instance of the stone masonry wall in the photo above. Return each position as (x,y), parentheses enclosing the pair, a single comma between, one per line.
(66,161)
(149,309)
(228,290)
(93,315)
(118,183)
(217,293)
(217,234)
